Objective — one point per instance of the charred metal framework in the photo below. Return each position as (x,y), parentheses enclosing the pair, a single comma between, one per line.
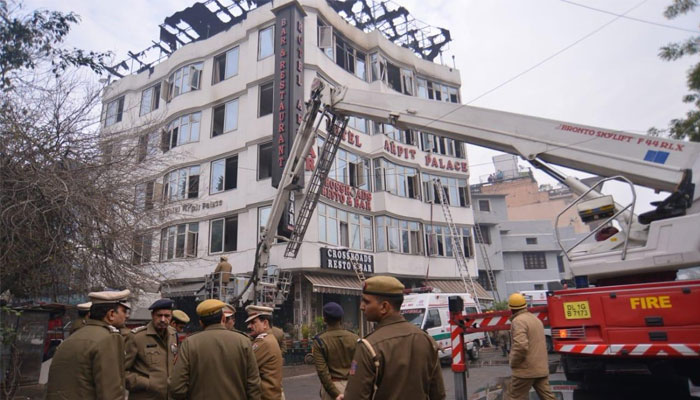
(205,19)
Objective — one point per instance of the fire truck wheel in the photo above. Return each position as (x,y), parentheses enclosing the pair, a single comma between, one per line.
(474,352)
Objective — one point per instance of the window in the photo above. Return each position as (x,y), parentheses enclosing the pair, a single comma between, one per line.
(485,234)
(181,184)
(400,135)
(263,217)
(115,110)
(141,248)
(349,168)
(265,99)
(422,85)
(484,205)
(398,236)
(148,145)
(456,191)
(265,160)
(396,179)
(531,240)
(223,234)
(225,118)
(146,195)
(179,241)
(484,280)
(439,243)
(438,91)
(224,174)
(225,65)
(441,145)
(150,99)
(344,228)
(181,131)
(433,319)
(560,263)
(346,56)
(358,124)
(185,79)
(535,260)
(266,42)
(539,286)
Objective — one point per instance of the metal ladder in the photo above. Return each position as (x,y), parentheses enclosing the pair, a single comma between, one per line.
(456,247)
(358,270)
(479,239)
(336,127)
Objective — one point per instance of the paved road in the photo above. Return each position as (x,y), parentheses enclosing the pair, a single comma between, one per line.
(489,376)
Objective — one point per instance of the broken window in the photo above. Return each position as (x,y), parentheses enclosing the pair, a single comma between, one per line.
(224,235)
(225,118)
(185,79)
(181,130)
(181,184)
(265,160)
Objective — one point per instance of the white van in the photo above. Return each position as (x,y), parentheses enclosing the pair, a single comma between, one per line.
(430,312)
(539,298)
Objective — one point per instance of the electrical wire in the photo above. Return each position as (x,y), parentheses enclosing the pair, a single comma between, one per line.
(631,18)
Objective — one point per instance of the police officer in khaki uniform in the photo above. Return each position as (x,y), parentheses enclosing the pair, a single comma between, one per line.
(528,353)
(398,360)
(279,335)
(267,351)
(150,354)
(332,351)
(83,316)
(90,363)
(179,321)
(230,320)
(215,363)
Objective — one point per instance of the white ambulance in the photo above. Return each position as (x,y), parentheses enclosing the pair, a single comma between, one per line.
(430,312)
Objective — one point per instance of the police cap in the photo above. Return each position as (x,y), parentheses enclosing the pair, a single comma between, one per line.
(256,311)
(162,304)
(181,317)
(209,307)
(333,310)
(110,297)
(84,306)
(383,286)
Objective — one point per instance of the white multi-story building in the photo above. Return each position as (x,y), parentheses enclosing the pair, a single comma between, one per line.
(223,102)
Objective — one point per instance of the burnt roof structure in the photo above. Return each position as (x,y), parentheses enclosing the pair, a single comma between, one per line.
(205,19)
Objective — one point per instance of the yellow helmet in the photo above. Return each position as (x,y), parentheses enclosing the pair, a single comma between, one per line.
(516,301)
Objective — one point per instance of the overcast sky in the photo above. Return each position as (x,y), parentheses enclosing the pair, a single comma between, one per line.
(612,78)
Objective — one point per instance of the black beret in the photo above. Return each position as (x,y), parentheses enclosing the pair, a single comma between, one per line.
(162,304)
(333,310)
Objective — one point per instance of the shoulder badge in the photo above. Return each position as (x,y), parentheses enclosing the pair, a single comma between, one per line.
(112,329)
(261,336)
(255,346)
(139,329)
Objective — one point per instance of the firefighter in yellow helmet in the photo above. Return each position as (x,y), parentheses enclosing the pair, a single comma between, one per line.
(528,354)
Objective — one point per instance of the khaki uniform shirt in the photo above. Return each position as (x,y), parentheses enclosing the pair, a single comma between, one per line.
(279,335)
(225,269)
(528,353)
(88,365)
(215,364)
(77,324)
(409,367)
(269,356)
(333,351)
(149,362)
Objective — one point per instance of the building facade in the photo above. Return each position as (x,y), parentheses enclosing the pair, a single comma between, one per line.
(217,117)
(523,255)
